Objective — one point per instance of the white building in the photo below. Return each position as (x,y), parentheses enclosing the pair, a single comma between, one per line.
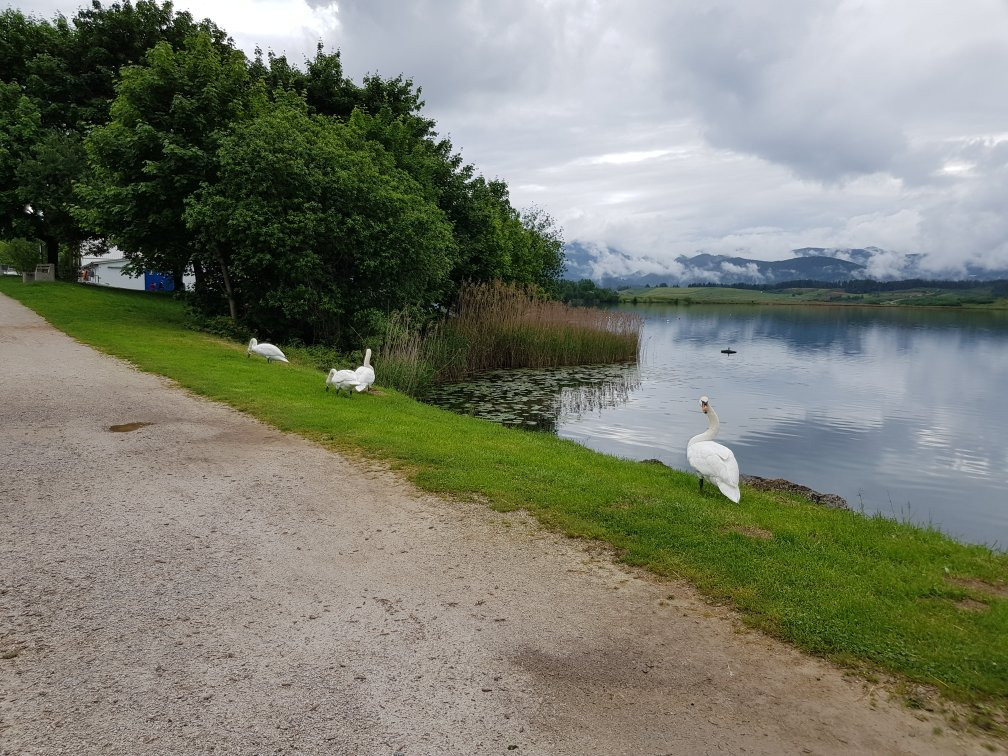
(109,272)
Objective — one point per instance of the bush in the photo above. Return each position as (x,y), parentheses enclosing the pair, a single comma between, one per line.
(21,254)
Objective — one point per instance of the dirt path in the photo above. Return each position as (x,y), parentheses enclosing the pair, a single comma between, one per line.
(206,584)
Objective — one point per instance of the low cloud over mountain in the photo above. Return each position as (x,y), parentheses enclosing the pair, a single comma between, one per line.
(612,267)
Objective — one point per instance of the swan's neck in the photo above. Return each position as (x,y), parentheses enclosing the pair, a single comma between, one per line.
(712,428)
(367,358)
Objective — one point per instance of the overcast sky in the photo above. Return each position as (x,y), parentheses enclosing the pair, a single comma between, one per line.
(666,127)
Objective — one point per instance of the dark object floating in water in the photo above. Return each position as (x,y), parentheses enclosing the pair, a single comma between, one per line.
(127,427)
(728,351)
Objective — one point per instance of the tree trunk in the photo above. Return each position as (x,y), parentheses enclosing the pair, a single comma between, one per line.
(177,280)
(200,285)
(232,305)
(52,253)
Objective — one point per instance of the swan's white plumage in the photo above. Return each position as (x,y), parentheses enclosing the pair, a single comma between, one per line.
(341,379)
(712,460)
(365,373)
(268,351)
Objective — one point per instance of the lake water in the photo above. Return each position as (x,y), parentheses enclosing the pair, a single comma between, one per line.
(899,411)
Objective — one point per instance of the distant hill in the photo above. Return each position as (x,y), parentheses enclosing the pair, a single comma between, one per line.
(614,268)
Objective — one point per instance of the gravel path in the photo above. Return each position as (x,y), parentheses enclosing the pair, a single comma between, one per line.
(207,584)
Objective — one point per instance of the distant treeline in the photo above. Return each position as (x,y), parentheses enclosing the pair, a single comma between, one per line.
(999,287)
(583,293)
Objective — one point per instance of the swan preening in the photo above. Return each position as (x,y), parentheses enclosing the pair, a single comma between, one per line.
(712,460)
(357,380)
(342,379)
(268,351)
(365,373)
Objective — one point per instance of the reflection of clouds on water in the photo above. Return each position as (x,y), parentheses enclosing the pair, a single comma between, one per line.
(892,410)
(540,399)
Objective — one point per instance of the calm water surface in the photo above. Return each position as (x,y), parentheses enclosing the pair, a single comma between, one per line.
(903,412)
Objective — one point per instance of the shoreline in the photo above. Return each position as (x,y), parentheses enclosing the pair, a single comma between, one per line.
(654,518)
(828,500)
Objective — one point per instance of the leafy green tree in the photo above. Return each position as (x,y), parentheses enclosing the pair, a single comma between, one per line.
(159,147)
(107,38)
(319,233)
(583,292)
(67,72)
(21,254)
(495,241)
(276,73)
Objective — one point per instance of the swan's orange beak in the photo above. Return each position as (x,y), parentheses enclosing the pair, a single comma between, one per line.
(704,407)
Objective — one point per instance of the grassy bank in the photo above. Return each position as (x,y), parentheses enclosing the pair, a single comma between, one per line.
(865,591)
(917,297)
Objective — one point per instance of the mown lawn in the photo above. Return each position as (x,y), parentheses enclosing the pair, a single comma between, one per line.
(865,591)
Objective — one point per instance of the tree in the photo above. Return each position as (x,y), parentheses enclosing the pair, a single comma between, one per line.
(495,241)
(21,254)
(107,38)
(66,74)
(318,231)
(159,147)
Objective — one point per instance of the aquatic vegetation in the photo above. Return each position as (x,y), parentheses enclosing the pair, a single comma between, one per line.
(497,325)
(538,398)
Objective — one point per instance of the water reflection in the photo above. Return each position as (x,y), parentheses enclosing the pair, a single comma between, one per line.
(898,412)
(540,399)
(820,328)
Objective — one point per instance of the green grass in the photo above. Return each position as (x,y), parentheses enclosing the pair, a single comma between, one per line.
(922,297)
(866,591)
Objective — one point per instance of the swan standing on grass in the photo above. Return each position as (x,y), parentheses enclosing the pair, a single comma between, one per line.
(341,379)
(268,351)
(365,373)
(712,460)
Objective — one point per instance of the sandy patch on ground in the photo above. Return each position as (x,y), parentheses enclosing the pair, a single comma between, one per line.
(205,583)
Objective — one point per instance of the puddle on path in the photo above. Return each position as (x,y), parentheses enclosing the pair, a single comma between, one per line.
(127,427)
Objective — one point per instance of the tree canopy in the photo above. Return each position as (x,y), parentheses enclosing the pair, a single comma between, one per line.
(159,147)
(307,205)
(59,79)
(339,232)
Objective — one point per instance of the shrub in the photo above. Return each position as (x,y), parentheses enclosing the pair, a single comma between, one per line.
(21,254)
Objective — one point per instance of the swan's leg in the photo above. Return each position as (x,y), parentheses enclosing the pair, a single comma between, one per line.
(701,484)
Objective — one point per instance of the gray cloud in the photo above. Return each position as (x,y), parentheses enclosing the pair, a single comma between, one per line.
(663,127)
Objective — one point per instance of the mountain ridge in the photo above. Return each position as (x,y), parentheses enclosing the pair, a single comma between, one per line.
(613,268)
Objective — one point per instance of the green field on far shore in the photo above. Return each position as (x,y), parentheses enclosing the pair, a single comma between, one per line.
(924,296)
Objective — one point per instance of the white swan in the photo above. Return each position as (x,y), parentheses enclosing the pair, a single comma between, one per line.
(712,460)
(341,379)
(268,351)
(365,373)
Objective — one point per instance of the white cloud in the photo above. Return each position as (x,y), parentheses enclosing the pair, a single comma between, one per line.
(666,126)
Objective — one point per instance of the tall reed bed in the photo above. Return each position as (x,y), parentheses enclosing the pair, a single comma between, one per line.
(506,326)
(412,357)
(498,325)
